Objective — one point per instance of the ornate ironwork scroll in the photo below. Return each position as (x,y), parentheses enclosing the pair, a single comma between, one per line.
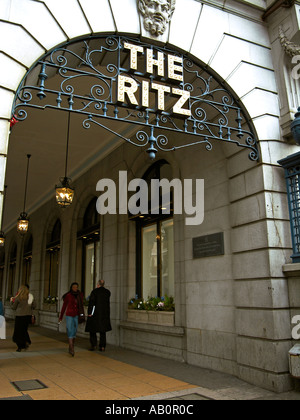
(174,95)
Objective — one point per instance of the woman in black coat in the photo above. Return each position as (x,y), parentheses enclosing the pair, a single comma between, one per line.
(99,316)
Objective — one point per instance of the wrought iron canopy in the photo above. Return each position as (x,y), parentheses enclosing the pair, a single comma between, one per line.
(161,91)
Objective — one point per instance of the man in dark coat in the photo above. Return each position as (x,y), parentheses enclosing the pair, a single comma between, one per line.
(99,316)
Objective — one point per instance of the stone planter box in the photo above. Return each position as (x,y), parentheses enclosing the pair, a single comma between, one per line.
(151,317)
(48,319)
(50,307)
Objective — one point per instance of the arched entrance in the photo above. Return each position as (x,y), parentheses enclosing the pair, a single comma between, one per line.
(117,90)
(198,133)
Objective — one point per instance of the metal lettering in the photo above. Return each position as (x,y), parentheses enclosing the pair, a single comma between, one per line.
(123,88)
(134,49)
(145,94)
(161,94)
(184,97)
(159,63)
(172,68)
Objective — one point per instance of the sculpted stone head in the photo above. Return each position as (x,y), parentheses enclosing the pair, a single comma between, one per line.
(156,14)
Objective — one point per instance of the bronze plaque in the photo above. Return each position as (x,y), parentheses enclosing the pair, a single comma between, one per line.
(208,245)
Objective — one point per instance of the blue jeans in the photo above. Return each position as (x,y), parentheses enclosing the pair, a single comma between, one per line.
(72,325)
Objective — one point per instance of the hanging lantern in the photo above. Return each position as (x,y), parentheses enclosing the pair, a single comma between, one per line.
(23,221)
(2,238)
(23,224)
(64,193)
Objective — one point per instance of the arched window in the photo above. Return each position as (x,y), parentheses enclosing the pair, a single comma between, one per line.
(27,258)
(12,271)
(52,263)
(2,264)
(155,243)
(89,236)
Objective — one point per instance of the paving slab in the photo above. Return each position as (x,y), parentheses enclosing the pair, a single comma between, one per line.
(117,374)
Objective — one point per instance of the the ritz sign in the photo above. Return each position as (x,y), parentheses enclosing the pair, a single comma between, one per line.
(160,67)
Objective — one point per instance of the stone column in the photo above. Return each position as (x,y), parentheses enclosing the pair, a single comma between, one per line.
(261,244)
(292,273)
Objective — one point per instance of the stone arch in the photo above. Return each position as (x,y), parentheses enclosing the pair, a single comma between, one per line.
(227,151)
(83,198)
(49,226)
(214,110)
(81,207)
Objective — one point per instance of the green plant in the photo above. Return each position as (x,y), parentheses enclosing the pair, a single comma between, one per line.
(165,303)
(51,300)
(86,301)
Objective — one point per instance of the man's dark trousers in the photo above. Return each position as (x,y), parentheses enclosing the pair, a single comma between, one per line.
(93,340)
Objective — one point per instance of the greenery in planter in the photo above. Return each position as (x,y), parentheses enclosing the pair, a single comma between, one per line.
(165,303)
(86,301)
(51,300)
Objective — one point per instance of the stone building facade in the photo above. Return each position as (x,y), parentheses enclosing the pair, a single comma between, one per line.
(232,311)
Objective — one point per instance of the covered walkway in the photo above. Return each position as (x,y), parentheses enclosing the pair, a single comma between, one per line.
(47,372)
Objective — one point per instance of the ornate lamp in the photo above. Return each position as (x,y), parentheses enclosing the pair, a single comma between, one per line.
(23,224)
(23,221)
(64,191)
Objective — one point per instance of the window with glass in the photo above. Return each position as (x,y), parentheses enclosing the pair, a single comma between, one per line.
(89,247)
(52,262)
(2,264)
(155,243)
(27,258)
(12,271)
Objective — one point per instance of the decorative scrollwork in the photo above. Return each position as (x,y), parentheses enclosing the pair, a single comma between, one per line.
(142,138)
(87,74)
(162,143)
(21,114)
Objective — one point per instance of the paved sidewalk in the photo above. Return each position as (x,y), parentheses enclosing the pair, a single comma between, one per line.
(47,372)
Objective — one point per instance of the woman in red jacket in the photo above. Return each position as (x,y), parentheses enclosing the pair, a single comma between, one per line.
(73,306)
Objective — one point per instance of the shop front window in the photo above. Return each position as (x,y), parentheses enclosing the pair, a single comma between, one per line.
(155,243)
(12,271)
(27,258)
(52,263)
(158,259)
(91,260)
(2,264)
(89,247)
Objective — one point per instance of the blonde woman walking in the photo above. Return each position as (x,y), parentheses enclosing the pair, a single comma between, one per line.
(23,303)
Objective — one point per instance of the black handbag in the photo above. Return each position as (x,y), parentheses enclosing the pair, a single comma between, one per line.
(81,319)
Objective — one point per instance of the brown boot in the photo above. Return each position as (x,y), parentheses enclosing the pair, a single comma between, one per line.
(71,346)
